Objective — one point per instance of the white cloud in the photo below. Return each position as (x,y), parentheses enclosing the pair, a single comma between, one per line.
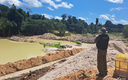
(82,18)
(33,3)
(119,8)
(10,2)
(104,16)
(36,3)
(52,3)
(58,0)
(56,17)
(116,1)
(48,16)
(90,13)
(121,21)
(24,3)
(50,8)
(113,15)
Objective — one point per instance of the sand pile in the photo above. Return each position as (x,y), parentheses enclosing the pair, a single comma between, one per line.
(48,36)
(79,76)
(35,61)
(86,59)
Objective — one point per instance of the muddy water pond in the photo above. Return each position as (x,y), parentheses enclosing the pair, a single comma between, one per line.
(11,51)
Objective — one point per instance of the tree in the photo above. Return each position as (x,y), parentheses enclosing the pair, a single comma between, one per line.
(70,21)
(64,17)
(23,13)
(43,17)
(3,11)
(12,13)
(74,19)
(97,20)
(125,31)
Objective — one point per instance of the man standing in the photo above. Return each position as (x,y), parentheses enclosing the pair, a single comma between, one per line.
(102,45)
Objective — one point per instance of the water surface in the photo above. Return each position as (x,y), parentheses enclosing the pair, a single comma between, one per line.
(11,51)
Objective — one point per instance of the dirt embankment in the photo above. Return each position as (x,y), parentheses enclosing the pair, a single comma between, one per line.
(91,73)
(52,37)
(86,59)
(27,63)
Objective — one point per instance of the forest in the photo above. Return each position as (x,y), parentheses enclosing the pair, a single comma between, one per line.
(15,21)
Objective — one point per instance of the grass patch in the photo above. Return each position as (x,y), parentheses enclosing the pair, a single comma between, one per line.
(115,34)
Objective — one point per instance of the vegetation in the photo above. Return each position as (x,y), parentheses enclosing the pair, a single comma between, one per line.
(15,21)
(125,31)
(115,34)
(77,42)
(57,45)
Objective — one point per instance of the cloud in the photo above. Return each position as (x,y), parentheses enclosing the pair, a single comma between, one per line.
(82,18)
(119,8)
(24,3)
(48,16)
(58,0)
(56,17)
(116,1)
(104,16)
(121,21)
(90,13)
(63,4)
(113,15)
(33,3)
(10,2)
(36,3)
(50,8)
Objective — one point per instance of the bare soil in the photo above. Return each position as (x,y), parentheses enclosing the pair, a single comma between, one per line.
(86,59)
(90,75)
(34,75)
(35,61)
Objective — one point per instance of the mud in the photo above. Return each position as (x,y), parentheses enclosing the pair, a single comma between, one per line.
(35,61)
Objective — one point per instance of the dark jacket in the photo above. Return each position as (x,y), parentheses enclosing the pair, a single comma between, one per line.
(102,41)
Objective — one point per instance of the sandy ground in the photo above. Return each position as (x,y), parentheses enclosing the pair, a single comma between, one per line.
(86,59)
(90,75)
(53,50)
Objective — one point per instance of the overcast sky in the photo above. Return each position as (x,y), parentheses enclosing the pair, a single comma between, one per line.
(88,10)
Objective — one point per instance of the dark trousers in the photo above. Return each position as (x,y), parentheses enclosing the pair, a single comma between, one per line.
(101,62)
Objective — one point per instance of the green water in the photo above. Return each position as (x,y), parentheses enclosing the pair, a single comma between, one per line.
(11,51)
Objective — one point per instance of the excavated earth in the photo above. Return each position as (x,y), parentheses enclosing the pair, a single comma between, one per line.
(84,60)
(91,73)
(34,75)
(35,61)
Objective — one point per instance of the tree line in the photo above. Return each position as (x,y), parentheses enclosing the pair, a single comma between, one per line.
(15,21)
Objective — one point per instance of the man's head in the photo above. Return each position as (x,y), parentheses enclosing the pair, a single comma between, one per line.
(103,30)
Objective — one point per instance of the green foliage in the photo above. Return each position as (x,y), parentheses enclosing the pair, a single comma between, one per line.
(67,34)
(97,20)
(77,42)
(125,32)
(85,35)
(115,34)
(15,21)
(57,45)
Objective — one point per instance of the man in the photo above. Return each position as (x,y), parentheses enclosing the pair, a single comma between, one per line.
(102,45)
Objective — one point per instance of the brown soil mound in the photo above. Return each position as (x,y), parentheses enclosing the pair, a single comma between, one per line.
(89,72)
(27,63)
(34,75)
(72,38)
(86,59)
